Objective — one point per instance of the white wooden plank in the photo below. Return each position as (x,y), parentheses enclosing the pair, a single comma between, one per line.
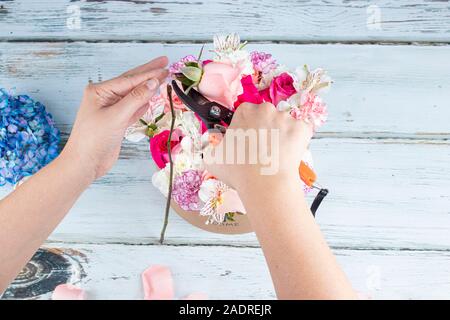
(290,20)
(384,194)
(113,272)
(387,91)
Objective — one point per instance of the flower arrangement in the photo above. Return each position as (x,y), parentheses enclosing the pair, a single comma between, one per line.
(233,76)
(29,139)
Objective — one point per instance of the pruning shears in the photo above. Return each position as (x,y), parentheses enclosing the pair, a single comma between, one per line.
(217,117)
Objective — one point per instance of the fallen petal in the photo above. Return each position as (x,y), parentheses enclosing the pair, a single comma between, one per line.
(158,283)
(196,296)
(68,292)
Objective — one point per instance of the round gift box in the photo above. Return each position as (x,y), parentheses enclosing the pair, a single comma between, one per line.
(239,225)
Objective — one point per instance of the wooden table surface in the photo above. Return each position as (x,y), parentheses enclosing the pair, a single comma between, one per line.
(384,153)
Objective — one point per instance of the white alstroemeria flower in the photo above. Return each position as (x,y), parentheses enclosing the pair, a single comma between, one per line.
(316,80)
(207,190)
(210,193)
(160,180)
(227,43)
(138,131)
(165,122)
(228,48)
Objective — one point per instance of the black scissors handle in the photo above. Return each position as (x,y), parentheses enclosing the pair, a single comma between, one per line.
(212,113)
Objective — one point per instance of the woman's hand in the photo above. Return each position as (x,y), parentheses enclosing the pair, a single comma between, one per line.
(30,213)
(301,264)
(286,143)
(106,110)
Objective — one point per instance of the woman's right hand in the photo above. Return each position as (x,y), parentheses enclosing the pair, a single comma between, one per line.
(291,138)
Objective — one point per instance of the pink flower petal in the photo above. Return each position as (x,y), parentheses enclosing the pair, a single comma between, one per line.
(158,283)
(231,203)
(196,296)
(68,292)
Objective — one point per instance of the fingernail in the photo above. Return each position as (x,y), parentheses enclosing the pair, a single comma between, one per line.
(153,84)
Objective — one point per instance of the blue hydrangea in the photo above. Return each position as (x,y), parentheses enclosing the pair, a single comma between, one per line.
(29,139)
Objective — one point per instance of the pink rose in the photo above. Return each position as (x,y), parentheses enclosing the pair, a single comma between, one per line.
(158,146)
(281,89)
(250,94)
(221,82)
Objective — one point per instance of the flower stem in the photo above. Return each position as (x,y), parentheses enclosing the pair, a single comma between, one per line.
(169,151)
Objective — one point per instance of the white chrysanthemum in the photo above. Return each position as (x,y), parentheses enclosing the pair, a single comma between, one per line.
(160,180)
(187,161)
(190,126)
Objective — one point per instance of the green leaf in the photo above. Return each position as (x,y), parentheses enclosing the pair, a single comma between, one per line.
(159,117)
(192,64)
(185,81)
(192,73)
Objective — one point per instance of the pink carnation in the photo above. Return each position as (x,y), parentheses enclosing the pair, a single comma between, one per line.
(263,62)
(312,109)
(185,190)
(177,66)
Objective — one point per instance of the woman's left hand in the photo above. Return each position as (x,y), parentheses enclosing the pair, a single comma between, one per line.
(106,110)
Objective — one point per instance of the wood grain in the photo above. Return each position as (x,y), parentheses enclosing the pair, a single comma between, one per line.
(384,195)
(288,20)
(384,153)
(113,271)
(379,91)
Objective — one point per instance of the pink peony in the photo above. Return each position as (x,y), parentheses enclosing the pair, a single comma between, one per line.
(251,93)
(185,190)
(221,82)
(158,146)
(281,89)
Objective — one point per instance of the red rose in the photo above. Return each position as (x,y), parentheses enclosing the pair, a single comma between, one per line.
(251,93)
(158,146)
(281,89)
